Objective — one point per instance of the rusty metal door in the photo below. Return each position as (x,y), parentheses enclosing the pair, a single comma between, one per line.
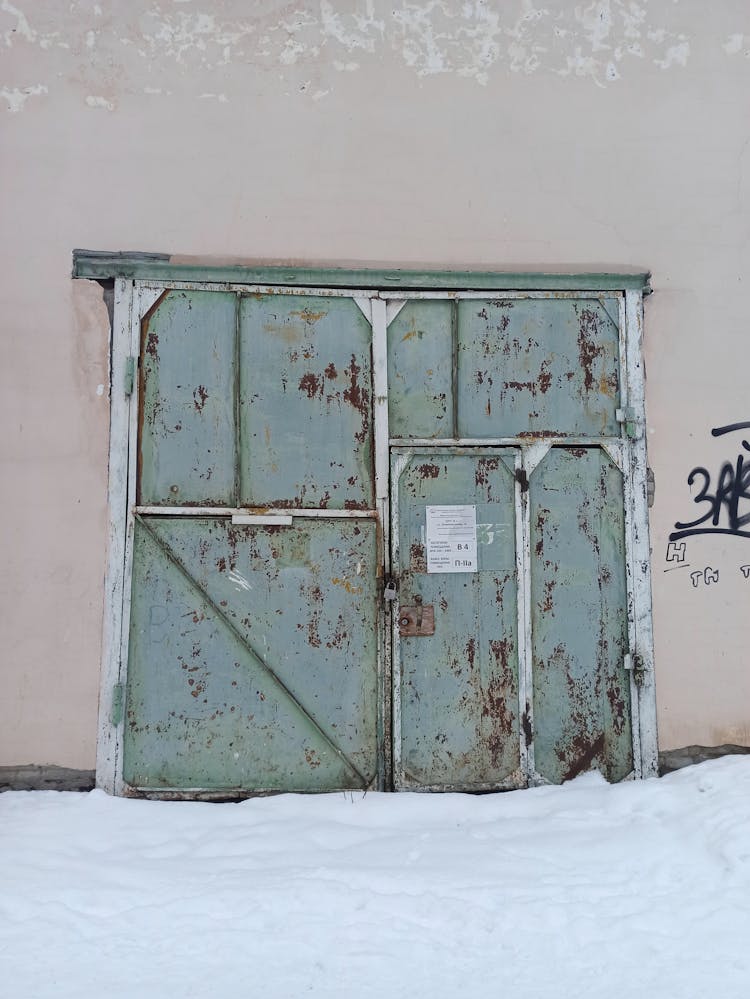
(512,666)
(377,540)
(457,714)
(254,650)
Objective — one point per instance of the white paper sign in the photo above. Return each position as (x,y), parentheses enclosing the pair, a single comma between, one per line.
(451,538)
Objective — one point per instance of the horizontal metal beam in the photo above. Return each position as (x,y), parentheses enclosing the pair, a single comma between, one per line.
(265,512)
(144,266)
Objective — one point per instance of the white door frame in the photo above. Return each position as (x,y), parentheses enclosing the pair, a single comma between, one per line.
(134,298)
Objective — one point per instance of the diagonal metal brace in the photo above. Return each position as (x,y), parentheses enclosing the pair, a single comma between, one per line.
(170,555)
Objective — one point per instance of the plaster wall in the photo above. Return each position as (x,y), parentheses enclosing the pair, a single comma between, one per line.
(437,133)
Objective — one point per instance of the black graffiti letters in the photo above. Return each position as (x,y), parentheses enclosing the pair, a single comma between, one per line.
(725,505)
(707,576)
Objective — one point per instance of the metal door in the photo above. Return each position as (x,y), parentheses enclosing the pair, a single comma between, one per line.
(457,716)
(253,660)
(523,673)
(279,617)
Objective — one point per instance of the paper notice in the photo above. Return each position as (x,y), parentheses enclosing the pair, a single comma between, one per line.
(451,538)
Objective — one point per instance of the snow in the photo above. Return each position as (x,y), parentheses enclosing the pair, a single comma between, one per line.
(641,889)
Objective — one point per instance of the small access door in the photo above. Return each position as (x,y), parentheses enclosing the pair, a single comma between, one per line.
(458,721)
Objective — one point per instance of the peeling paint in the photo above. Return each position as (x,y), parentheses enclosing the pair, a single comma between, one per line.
(100,102)
(735,44)
(601,40)
(17,98)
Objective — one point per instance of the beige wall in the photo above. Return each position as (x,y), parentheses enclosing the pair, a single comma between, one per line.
(444,133)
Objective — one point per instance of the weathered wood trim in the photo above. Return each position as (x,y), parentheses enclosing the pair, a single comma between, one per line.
(640,548)
(108,740)
(145,266)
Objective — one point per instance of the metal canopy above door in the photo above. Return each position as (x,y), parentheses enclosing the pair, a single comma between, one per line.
(279,617)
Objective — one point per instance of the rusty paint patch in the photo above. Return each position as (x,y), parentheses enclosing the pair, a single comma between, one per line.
(587,753)
(199,398)
(428,471)
(501,650)
(495,706)
(311,385)
(618,707)
(547,603)
(308,316)
(526,725)
(541,519)
(346,585)
(483,468)
(588,348)
(358,397)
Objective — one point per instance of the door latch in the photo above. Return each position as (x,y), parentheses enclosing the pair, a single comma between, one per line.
(416,621)
(634,664)
(390,591)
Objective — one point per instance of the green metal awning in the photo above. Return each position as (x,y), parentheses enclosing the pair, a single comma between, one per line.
(99,266)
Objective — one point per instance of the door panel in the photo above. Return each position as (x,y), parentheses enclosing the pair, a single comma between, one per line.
(581,689)
(187,444)
(420,366)
(253,655)
(458,688)
(305,403)
(534,367)
(254,651)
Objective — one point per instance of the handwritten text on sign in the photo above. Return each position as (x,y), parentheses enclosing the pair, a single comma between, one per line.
(451,537)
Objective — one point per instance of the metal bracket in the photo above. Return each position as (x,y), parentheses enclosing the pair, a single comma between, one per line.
(523,479)
(118,703)
(627,416)
(634,663)
(247,519)
(417,621)
(129,377)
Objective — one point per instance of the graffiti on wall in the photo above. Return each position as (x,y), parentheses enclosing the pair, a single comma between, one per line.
(723,501)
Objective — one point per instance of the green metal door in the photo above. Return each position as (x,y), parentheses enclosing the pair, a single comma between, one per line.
(457,718)
(579,616)
(377,541)
(507,413)
(253,658)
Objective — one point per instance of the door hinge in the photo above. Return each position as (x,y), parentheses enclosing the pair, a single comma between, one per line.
(634,663)
(523,479)
(116,713)
(628,417)
(129,380)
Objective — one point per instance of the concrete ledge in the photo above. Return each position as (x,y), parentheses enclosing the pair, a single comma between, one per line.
(31,777)
(676,759)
